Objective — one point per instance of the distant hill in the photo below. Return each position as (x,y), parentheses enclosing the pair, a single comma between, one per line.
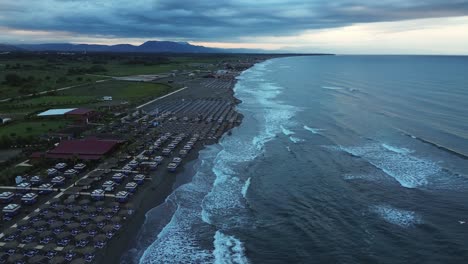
(147,47)
(8,48)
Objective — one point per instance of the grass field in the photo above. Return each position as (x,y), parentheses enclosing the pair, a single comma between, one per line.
(121,90)
(31,128)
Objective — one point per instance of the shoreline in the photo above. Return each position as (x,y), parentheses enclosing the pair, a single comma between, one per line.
(155,194)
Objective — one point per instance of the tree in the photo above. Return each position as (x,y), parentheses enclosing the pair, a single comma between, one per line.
(13,79)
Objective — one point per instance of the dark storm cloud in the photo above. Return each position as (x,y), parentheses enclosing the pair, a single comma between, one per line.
(212,20)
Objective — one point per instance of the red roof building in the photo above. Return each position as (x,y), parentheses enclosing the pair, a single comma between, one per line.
(83,149)
(82,114)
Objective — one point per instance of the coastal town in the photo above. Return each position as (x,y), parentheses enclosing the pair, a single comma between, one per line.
(83,189)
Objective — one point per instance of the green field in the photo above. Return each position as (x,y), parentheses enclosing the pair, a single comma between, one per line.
(31,128)
(120,90)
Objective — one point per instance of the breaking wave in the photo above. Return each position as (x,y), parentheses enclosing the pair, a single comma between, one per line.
(397,216)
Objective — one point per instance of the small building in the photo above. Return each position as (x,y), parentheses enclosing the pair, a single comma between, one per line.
(60,166)
(107,98)
(11,210)
(23,187)
(45,188)
(98,194)
(133,164)
(83,149)
(108,186)
(122,196)
(36,180)
(6,197)
(58,181)
(52,172)
(70,173)
(82,115)
(131,187)
(139,179)
(171,167)
(79,166)
(29,198)
(118,177)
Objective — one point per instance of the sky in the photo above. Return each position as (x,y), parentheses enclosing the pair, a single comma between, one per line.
(338,26)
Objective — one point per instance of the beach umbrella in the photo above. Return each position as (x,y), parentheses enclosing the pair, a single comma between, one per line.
(22,222)
(11,245)
(63,235)
(99,203)
(90,209)
(56,224)
(58,260)
(116,219)
(28,232)
(68,248)
(49,247)
(73,225)
(81,236)
(108,211)
(84,202)
(34,214)
(15,258)
(91,227)
(78,261)
(66,216)
(86,250)
(45,234)
(76,208)
(108,228)
(124,213)
(54,201)
(40,223)
(60,207)
(99,219)
(69,201)
(44,207)
(83,217)
(30,246)
(100,238)
(50,215)
(10,231)
(37,259)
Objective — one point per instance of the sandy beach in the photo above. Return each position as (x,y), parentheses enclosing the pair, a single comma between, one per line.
(156,191)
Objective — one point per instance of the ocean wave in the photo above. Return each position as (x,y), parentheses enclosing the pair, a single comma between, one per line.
(228,250)
(408,170)
(286,131)
(296,139)
(332,88)
(245,188)
(397,216)
(313,130)
(397,149)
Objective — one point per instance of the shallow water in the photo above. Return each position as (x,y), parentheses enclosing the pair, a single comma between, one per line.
(345,159)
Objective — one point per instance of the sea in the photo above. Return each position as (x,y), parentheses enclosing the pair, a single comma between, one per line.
(339,159)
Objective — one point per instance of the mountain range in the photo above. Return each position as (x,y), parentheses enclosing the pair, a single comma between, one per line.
(147,47)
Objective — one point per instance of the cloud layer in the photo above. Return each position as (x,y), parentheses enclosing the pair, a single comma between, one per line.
(203,20)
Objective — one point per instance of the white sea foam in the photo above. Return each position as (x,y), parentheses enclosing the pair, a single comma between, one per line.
(313,130)
(286,131)
(397,216)
(228,250)
(332,88)
(397,149)
(296,139)
(245,188)
(408,170)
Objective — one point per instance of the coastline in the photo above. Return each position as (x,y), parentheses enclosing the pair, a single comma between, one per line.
(155,194)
